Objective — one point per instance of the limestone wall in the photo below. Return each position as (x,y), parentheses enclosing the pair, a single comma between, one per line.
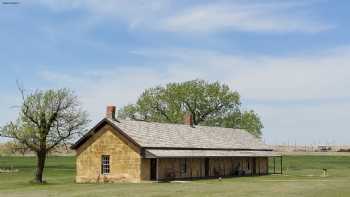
(145,169)
(125,160)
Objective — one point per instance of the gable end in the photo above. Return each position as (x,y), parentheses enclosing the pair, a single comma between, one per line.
(96,128)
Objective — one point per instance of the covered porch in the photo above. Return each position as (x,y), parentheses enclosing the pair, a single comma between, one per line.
(196,164)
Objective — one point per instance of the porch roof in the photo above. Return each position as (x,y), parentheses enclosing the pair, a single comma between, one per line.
(166,153)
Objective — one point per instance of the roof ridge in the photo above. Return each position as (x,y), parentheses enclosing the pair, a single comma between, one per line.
(180,124)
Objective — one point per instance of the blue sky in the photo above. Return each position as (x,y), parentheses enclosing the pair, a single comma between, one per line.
(289,60)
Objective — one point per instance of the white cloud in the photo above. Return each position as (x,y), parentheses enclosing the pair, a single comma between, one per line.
(305,124)
(319,76)
(134,13)
(316,76)
(242,17)
(200,17)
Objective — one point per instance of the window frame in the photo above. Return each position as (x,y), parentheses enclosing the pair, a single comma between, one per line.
(105,164)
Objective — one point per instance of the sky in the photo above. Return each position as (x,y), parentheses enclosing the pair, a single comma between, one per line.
(289,60)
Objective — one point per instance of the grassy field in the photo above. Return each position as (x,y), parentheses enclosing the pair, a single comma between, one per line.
(303,179)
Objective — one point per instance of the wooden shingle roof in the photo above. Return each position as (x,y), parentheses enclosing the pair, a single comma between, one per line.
(180,136)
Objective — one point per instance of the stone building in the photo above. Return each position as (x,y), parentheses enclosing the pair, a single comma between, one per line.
(128,150)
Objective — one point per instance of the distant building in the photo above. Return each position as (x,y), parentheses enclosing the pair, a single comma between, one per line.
(127,150)
(324,148)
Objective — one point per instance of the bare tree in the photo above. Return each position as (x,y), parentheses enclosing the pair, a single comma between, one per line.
(46,119)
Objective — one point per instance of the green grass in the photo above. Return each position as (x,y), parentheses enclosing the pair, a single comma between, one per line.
(303,179)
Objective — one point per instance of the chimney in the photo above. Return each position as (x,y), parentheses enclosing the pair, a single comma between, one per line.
(188,119)
(111,112)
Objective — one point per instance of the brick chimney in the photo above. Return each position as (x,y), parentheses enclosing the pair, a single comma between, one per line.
(188,119)
(111,112)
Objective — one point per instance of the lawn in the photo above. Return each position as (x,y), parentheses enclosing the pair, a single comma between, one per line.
(303,179)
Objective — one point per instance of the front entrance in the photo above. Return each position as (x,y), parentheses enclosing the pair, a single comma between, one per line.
(153,169)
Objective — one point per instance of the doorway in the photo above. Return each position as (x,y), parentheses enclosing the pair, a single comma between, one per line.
(153,169)
(206,167)
(254,166)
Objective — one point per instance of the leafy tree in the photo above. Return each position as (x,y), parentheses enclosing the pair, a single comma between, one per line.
(248,120)
(211,104)
(46,119)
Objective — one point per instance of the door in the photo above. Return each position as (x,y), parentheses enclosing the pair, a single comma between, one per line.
(153,169)
(206,166)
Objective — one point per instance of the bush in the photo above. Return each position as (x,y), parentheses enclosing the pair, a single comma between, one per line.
(344,150)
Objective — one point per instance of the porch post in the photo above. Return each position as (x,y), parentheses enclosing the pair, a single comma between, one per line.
(251,166)
(281,165)
(191,167)
(157,167)
(274,165)
(224,167)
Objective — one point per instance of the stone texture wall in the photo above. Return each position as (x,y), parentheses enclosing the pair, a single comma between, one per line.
(145,169)
(125,160)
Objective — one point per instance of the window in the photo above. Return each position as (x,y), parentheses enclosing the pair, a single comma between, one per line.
(105,168)
(183,166)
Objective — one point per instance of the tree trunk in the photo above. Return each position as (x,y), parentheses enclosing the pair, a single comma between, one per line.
(41,157)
